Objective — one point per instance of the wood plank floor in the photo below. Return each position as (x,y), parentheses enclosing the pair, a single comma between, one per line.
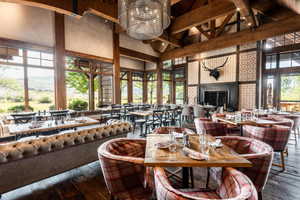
(86,183)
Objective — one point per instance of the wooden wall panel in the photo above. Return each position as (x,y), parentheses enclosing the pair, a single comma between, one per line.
(227,73)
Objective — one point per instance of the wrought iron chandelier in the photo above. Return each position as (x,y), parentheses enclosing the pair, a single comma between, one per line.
(144,19)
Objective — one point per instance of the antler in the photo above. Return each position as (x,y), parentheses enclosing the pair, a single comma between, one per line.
(206,68)
(223,64)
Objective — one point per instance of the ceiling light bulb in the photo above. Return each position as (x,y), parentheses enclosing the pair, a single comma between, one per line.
(238,9)
(249,24)
(163,44)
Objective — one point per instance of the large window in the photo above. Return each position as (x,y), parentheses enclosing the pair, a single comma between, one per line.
(137,86)
(180,89)
(41,88)
(167,82)
(124,87)
(152,87)
(283,40)
(36,91)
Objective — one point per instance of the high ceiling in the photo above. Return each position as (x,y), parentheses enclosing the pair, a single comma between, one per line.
(198,25)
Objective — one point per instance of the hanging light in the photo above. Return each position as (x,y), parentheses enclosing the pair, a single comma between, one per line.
(144,19)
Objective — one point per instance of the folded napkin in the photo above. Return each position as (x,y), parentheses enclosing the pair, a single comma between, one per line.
(194,154)
(178,135)
(216,144)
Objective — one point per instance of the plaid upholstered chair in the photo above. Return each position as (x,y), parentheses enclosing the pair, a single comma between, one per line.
(210,127)
(257,152)
(123,170)
(234,186)
(276,136)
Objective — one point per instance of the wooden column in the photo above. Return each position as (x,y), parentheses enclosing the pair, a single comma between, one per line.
(116,67)
(130,99)
(159,90)
(59,69)
(26,93)
(91,78)
(145,88)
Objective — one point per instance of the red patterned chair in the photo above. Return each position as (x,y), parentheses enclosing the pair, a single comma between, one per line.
(212,128)
(234,186)
(123,170)
(276,136)
(257,152)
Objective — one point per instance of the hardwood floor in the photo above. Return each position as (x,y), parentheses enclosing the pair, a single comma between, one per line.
(86,183)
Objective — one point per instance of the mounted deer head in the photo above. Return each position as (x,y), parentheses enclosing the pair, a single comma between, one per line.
(216,71)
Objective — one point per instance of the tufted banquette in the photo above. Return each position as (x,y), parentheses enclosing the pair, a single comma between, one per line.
(25,162)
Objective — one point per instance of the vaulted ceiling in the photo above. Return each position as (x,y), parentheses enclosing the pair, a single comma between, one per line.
(198,25)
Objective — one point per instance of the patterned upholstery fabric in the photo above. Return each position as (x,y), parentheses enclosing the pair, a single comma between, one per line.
(276,136)
(167,129)
(212,128)
(18,150)
(234,185)
(280,120)
(295,118)
(123,170)
(258,153)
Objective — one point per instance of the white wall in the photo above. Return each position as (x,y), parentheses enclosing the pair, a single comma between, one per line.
(130,43)
(90,35)
(28,24)
(131,64)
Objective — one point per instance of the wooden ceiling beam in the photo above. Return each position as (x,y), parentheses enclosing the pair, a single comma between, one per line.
(244,8)
(294,5)
(205,33)
(73,8)
(246,36)
(201,15)
(221,29)
(137,55)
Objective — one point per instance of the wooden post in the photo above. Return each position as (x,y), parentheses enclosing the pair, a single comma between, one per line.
(130,99)
(91,78)
(59,69)
(116,67)
(145,88)
(26,92)
(159,90)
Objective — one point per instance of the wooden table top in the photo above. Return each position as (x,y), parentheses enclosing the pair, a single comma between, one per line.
(219,157)
(144,113)
(17,129)
(259,122)
(107,109)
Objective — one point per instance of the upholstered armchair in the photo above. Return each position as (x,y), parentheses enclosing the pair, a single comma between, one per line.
(210,127)
(234,186)
(276,136)
(123,170)
(257,152)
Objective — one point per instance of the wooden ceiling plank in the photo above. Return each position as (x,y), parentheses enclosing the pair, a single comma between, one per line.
(246,36)
(201,15)
(246,11)
(224,23)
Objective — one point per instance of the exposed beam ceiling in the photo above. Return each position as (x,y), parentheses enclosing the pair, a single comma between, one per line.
(246,11)
(101,8)
(137,55)
(201,15)
(246,36)
(291,4)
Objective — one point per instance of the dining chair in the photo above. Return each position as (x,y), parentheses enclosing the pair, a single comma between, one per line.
(122,164)
(257,152)
(234,186)
(210,127)
(276,136)
(198,111)
(186,114)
